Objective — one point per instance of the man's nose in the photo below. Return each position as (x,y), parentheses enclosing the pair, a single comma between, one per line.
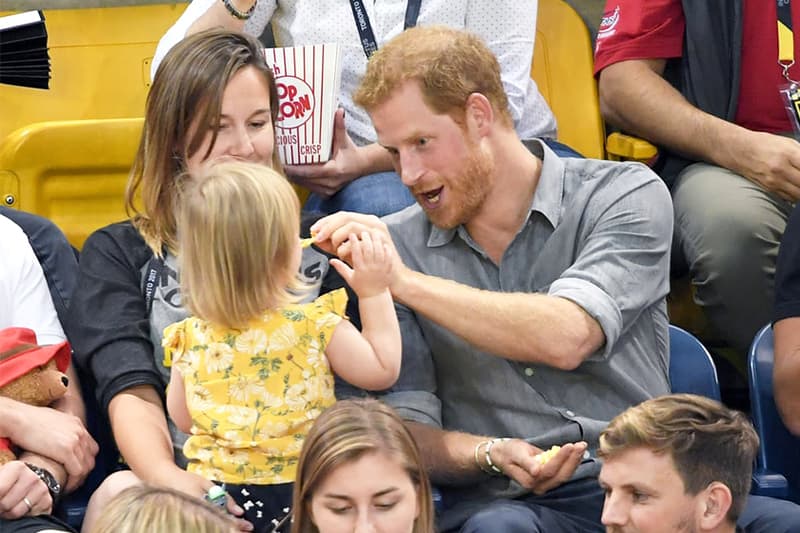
(410,169)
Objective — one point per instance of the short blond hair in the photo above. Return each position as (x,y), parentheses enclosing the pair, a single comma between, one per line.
(448,64)
(239,226)
(153,509)
(706,441)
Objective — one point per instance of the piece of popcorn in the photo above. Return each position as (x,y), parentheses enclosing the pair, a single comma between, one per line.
(547,455)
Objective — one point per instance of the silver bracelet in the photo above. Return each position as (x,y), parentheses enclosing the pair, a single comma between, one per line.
(482,464)
(488,456)
(241,15)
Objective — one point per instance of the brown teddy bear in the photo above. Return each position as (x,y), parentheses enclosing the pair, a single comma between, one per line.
(30,373)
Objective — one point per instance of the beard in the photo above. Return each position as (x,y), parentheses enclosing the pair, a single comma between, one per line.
(467,192)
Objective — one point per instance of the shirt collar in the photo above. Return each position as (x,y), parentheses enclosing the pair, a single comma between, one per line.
(546,199)
(550,189)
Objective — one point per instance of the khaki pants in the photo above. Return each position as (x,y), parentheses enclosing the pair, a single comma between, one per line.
(728,230)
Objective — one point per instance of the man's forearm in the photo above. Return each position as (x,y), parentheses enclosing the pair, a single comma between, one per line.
(54,467)
(520,326)
(635,97)
(449,456)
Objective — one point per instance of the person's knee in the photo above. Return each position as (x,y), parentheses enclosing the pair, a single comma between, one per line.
(721,220)
(509,517)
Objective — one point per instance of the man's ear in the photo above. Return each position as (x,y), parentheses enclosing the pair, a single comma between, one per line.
(479,113)
(716,500)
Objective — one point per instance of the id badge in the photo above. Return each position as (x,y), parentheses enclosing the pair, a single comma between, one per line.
(790,96)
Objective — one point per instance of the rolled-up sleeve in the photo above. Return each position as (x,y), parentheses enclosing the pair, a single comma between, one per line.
(622,264)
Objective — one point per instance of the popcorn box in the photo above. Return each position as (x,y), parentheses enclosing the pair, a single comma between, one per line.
(307,79)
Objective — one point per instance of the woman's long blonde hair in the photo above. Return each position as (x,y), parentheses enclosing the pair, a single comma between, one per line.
(187,89)
(238,231)
(344,433)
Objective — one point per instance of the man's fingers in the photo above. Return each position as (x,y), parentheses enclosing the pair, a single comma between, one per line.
(560,467)
(520,475)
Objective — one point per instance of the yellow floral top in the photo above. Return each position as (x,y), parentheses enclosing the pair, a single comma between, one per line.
(254,393)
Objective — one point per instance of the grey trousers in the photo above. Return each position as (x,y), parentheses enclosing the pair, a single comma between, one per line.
(728,230)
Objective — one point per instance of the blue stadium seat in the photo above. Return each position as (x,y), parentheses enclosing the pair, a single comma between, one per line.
(777,469)
(691,369)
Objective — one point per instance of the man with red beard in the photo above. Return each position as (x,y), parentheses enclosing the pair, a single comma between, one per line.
(530,292)
(677,463)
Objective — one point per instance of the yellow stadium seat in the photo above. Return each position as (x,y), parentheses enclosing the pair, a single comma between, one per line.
(562,68)
(72,172)
(100,61)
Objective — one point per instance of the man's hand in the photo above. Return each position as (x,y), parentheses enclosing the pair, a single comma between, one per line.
(347,162)
(197,486)
(332,234)
(519,460)
(59,436)
(19,483)
(772,161)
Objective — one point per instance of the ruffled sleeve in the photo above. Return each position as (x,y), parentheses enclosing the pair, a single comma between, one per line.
(174,344)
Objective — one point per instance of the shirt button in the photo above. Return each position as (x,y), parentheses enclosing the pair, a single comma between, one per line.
(529,371)
(570,413)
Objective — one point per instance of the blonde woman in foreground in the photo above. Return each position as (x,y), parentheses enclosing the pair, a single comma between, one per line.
(360,470)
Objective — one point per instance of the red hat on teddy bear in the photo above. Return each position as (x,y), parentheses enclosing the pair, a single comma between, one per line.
(19,354)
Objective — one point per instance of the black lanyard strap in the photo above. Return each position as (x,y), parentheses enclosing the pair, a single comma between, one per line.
(364,27)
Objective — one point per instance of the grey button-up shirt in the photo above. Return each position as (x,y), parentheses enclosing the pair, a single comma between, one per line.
(598,234)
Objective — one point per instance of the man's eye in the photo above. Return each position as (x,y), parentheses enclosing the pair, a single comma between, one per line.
(422,141)
(639,496)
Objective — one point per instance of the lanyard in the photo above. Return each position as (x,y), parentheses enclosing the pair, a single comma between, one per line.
(364,27)
(785,37)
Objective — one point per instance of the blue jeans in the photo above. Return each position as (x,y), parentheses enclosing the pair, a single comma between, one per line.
(574,507)
(376,194)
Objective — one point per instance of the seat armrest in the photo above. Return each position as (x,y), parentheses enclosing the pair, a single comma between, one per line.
(768,483)
(622,147)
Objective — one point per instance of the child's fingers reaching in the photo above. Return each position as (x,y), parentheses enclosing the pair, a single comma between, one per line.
(379,251)
(343,269)
(367,246)
(356,250)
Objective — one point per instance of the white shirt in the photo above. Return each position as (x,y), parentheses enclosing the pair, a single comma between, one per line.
(507,27)
(24,296)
